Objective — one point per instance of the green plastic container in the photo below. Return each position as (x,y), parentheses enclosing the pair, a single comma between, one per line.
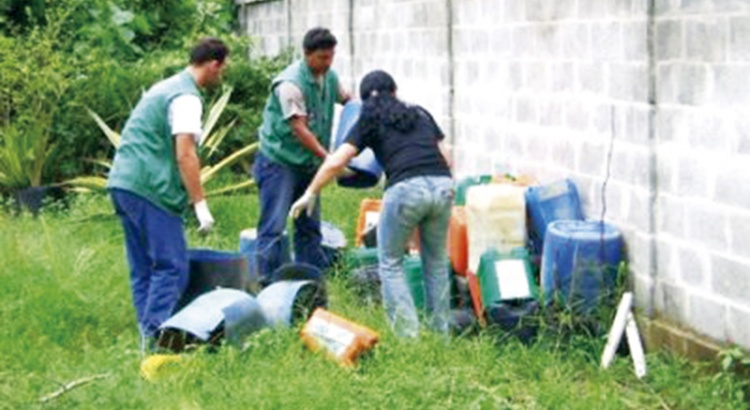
(507,276)
(361,257)
(466,183)
(415,279)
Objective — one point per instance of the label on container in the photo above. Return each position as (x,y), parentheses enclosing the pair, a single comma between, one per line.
(511,279)
(331,337)
(371,219)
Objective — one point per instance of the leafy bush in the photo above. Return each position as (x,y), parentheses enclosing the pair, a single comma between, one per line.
(120,48)
(35,75)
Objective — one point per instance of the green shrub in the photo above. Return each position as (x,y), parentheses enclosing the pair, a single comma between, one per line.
(35,75)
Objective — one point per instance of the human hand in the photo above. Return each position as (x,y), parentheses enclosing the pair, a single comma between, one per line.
(205,220)
(306,202)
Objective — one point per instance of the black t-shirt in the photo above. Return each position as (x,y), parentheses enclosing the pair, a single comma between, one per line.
(404,155)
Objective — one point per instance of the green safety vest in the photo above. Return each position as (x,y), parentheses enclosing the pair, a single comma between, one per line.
(277,142)
(145,163)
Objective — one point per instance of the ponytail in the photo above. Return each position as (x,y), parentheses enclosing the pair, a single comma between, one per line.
(381,108)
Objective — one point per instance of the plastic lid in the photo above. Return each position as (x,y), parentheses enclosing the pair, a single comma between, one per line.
(584,230)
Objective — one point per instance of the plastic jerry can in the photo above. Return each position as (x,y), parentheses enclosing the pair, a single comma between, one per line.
(463,186)
(458,245)
(506,277)
(415,279)
(361,257)
(496,219)
(369,215)
(548,203)
(341,339)
(475,293)
(517,180)
(368,219)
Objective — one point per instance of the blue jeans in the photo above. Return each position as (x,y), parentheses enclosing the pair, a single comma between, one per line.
(423,203)
(279,186)
(157,255)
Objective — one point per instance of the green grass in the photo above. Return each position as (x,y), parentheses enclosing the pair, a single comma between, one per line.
(66,315)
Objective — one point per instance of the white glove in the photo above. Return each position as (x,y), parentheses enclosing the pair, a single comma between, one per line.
(306,202)
(205,220)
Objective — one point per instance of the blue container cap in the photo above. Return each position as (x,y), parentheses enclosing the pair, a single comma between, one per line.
(583,230)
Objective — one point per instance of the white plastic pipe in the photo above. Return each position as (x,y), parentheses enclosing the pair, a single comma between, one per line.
(618,328)
(636,347)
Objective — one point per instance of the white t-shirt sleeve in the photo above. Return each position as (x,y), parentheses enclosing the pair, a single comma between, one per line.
(185,113)
(291,99)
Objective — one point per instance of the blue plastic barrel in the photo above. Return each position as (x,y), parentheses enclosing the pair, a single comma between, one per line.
(548,203)
(580,262)
(367,169)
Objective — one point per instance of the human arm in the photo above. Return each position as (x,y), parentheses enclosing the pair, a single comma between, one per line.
(332,167)
(306,137)
(445,151)
(295,112)
(190,173)
(184,116)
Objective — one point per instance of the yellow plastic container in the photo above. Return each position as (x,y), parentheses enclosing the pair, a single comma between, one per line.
(343,340)
(496,219)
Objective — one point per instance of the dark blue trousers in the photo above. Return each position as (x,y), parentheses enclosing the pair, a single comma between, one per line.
(157,255)
(278,187)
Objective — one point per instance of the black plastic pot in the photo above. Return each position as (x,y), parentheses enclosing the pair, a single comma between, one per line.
(32,198)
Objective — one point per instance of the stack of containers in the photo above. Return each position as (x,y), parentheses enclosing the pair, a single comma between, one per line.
(496,219)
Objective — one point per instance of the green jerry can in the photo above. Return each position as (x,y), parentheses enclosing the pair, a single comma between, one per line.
(506,276)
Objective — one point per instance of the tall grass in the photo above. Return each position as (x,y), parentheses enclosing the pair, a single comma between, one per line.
(66,314)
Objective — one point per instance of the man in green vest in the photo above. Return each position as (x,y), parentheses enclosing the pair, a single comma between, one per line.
(155,173)
(294,140)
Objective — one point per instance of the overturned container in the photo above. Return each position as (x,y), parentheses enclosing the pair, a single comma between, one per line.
(297,290)
(212,317)
(210,269)
(341,339)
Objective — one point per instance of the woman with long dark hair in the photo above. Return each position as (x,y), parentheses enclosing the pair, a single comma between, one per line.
(408,144)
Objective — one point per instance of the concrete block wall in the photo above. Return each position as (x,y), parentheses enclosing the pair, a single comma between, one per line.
(648,95)
(409,39)
(269,18)
(702,131)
